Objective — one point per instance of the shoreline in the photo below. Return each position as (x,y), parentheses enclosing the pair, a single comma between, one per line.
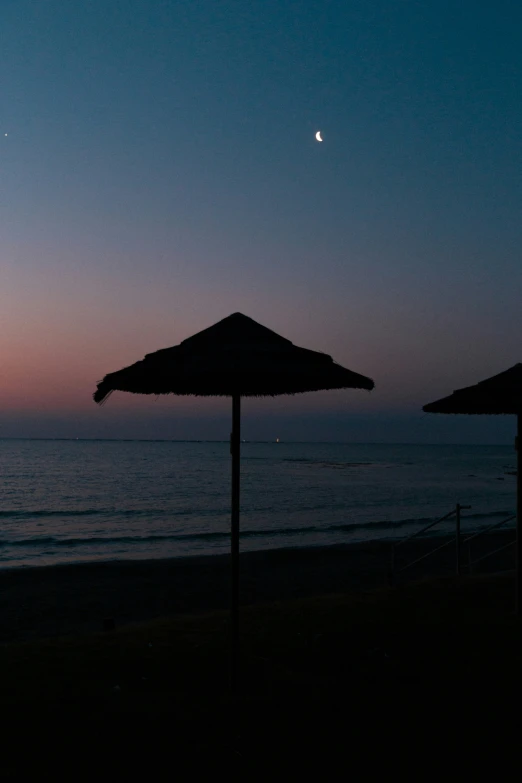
(355,545)
(64,599)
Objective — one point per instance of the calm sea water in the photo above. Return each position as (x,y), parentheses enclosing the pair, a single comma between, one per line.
(64,501)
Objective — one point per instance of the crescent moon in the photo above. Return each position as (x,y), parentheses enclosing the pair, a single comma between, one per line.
(318,136)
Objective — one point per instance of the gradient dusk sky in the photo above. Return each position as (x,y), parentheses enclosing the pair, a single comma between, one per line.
(159,171)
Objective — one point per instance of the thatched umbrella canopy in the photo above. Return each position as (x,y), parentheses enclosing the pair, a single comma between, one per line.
(500,394)
(237,357)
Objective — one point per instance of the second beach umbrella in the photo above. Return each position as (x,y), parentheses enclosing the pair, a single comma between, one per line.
(237,357)
(500,394)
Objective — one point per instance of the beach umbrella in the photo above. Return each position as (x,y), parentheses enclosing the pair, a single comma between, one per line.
(236,357)
(500,394)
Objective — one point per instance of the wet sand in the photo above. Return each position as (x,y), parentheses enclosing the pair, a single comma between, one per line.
(71,599)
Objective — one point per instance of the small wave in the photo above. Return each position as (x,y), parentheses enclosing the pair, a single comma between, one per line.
(321,463)
(88,512)
(302,459)
(111,540)
(489,514)
(347,527)
(110,512)
(38,541)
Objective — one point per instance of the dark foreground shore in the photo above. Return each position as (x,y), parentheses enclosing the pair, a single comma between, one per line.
(71,599)
(419,683)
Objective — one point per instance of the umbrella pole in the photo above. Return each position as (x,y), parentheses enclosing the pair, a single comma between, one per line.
(234,542)
(518,446)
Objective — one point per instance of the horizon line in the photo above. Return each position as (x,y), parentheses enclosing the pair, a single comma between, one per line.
(227,440)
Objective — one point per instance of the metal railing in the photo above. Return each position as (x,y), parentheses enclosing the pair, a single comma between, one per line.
(480,533)
(457,541)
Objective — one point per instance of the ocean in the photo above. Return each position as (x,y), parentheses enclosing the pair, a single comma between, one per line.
(64,501)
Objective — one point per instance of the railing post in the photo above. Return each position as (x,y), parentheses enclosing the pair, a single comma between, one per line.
(457,535)
(447,542)
(518,447)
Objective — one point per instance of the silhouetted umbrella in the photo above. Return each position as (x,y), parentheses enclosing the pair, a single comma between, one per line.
(500,394)
(237,357)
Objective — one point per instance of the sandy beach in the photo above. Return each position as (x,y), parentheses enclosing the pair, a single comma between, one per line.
(71,599)
(360,684)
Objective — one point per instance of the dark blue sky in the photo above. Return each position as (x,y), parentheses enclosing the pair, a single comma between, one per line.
(160,172)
